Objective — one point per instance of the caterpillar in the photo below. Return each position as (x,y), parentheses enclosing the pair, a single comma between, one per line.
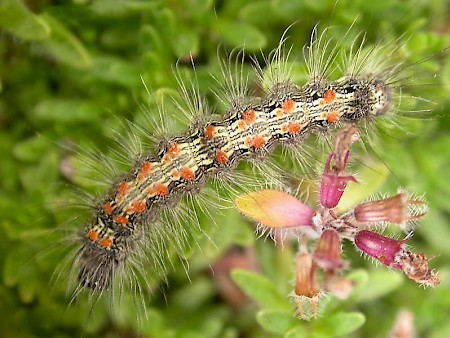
(127,231)
(156,182)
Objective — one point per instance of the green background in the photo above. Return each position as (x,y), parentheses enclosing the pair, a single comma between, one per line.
(72,71)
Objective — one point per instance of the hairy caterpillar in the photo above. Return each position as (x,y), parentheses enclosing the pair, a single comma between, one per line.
(308,19)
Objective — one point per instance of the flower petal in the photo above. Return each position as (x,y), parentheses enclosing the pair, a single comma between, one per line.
(275,209)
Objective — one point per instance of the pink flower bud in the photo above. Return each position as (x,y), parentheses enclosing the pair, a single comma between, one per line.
(333,185)
(396,209)
(328,252)
(275,209)
(380,247)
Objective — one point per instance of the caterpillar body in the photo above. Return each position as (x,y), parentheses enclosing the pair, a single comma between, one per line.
(157,182)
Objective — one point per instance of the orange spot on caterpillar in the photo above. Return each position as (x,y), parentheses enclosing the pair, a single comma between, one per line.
(279,113)
(210,132)
(92,235)
(146,169)
(322,102)
(258,142)
(137,206)
(284,128)
(332,117)
(122,220)
(107,208)
(249,116)
(172,150)
(105,243)
(122,190)
(175,174)
(161,189)
(294,128)
(288,106)
(329,96)
(221,157)
(242,125)
(187,174)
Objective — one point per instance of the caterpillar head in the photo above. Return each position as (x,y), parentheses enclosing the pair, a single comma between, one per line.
(364,98)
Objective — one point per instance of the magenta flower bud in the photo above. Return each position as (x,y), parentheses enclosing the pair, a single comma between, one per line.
(380,247)
(328,252)
(397,209)
(333,184)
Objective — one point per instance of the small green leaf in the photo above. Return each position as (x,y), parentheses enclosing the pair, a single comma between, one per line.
(63,45)
(276,321)
(260,289)
(380,283)
(297,332)
(120,8)
(18,20)
(256,13)
(186,43)
(31,149)
(241,35)
(115,70)
(66,110)
(344,323)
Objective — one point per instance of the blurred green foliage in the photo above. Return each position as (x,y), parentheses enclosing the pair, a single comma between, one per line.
(72,71)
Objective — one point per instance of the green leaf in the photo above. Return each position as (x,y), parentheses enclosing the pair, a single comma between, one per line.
(276,321)
(31,149)
(343,323)
(115,70)
(260,289)
(186,42)
(381,282)
(119,8)
(256,13)
(66,110)
(18,20)
(297,332)
(241,35)
(63,45)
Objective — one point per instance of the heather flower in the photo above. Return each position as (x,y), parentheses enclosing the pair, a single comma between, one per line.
(328,252)
(276,210)
(306,292)
(397,209)
(382,248)
(334,179)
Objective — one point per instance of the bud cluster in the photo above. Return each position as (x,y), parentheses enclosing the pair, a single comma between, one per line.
(281,213)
